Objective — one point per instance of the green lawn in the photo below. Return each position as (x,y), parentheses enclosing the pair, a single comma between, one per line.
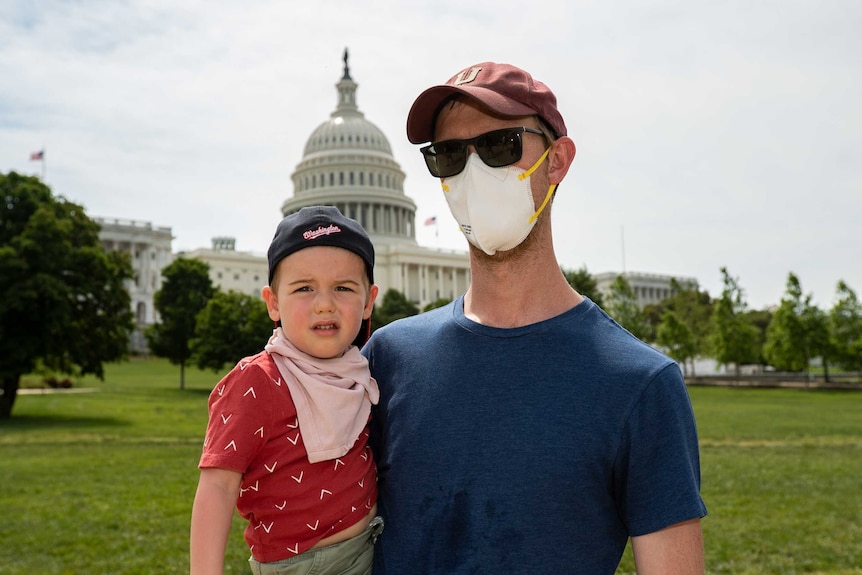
(102,483)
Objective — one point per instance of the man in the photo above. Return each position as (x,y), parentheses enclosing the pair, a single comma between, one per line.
(520,429)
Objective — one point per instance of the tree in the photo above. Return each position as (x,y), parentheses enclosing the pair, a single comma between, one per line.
(395,305)
(677,337)
(623,306)
(798,331)
(694,309)
(233,325)
(734,338)
(760,318)
(63,303)
(584,283)
(845,319)
(185,292)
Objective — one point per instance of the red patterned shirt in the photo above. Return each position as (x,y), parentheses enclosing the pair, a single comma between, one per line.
(290,504)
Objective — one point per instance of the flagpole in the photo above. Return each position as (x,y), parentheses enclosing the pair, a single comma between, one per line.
(44,162)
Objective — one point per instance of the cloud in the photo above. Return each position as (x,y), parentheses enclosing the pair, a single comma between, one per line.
(708,134)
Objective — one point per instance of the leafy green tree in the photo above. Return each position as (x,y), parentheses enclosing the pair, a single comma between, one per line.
(395,305)
(437,303)
(652,314)
(622,305)
(584,283)
(677,338)
(798,332)
(693,308)
(184,293)
(233,325)
(760,318)
(846,328)
(734,337)
(63,302)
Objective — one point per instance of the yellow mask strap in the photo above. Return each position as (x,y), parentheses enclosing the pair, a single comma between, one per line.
(551,188)
(550,193)
(536,165)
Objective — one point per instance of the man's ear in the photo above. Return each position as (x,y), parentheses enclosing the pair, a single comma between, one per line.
(560,158)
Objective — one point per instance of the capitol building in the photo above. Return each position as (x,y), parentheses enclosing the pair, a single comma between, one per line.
(347,162)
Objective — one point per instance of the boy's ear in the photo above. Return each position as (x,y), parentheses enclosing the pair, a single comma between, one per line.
(369,304)
(271,303)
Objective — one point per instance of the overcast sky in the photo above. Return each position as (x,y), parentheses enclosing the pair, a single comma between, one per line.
(709,134)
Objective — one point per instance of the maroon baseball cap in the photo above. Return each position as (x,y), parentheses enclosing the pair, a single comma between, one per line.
(503,88)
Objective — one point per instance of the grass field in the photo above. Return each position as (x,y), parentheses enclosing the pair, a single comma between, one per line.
(102,483)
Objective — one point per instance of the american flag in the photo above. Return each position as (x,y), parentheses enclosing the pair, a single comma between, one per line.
(431,221)
(40,155)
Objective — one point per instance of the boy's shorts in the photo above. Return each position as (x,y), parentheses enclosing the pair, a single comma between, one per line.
(353,556)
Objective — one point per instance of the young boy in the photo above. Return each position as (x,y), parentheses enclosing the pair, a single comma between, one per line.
(287,432)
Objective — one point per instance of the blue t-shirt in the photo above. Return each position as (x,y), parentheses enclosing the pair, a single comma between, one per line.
(537,449)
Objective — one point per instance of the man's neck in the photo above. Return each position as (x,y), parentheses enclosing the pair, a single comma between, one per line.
(520,289)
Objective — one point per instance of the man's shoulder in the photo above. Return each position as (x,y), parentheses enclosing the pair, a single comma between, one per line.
(607,339)
(430,319)
(417,327)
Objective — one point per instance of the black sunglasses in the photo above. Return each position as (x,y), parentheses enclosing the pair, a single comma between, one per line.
(497,148)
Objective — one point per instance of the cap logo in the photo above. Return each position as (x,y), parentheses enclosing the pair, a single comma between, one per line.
(321,231)
(466,76)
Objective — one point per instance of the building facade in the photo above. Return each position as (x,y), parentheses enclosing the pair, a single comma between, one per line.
(243,272)
(149,249)
(649,289)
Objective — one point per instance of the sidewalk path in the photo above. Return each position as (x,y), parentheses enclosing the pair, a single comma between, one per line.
(49,390)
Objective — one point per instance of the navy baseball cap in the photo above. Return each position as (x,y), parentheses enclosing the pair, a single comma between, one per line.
(320,226)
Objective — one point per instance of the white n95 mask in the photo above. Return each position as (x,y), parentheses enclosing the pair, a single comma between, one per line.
(494,206)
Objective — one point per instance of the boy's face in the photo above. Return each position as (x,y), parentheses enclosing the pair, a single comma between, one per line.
(321,295)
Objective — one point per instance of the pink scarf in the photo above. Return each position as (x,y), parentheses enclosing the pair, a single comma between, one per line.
(333,397)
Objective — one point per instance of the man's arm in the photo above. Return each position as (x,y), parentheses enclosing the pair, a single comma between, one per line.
(675,550)
(211,518)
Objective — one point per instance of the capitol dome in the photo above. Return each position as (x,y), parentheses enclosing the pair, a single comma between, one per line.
(347,131)
(347,162)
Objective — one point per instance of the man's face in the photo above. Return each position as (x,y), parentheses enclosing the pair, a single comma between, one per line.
(465,119)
